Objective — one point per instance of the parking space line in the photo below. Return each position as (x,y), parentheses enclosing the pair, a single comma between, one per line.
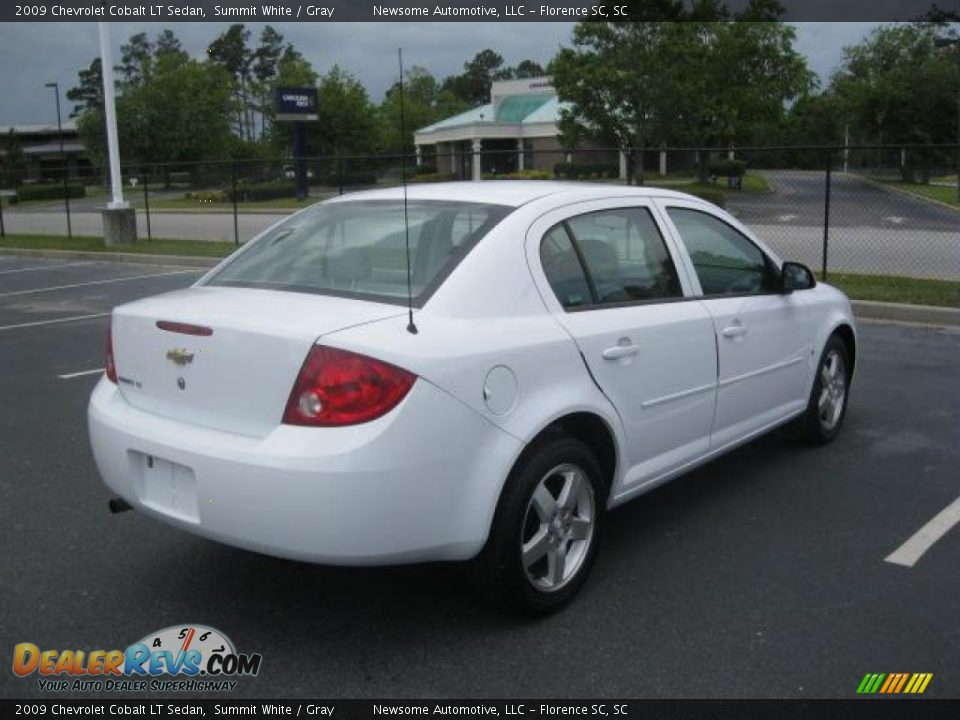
(38,323)
(923,539)
(97,282)
(70,376)
(43,267)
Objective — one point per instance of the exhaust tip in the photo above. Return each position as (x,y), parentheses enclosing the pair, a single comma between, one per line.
(118,505)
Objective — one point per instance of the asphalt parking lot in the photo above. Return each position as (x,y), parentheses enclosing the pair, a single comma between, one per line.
(761,575)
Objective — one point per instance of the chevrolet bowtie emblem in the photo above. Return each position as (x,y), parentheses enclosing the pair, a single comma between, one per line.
(180,356)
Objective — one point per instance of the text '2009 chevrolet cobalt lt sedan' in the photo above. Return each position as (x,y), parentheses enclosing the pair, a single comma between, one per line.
(568,348)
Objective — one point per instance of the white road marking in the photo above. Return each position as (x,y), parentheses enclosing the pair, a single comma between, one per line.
(96,282)
(44,267)
(52,322)
(895,219)
(70,376)
(787,218)
(924,538)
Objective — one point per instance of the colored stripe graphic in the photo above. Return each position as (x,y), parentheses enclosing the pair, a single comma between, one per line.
(894,683)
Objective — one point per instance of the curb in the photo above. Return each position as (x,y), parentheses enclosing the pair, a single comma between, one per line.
(906,193)
(141,258)
(902,312)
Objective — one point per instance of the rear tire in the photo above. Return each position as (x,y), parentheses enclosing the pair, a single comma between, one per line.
(827,406)
(546,528)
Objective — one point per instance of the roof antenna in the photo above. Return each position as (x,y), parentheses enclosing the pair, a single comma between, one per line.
(411,326)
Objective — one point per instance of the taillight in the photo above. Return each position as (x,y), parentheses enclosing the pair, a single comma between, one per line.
(336,387)
(111,365)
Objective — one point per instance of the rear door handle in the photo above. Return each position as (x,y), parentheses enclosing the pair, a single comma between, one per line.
(620,351)
(736,330)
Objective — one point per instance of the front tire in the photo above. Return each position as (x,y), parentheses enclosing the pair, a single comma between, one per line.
(546,529)
(827,406)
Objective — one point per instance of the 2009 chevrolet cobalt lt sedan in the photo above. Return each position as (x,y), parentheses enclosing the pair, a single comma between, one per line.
(569,347)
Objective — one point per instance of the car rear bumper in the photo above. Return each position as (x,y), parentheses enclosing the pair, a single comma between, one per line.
(420,483)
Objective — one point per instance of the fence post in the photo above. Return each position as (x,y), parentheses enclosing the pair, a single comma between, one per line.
(146,200)
(233,183)
(3,232)
(339,175)
(66,192)
(826,214)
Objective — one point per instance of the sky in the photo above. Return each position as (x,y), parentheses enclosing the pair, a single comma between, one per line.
(32,54)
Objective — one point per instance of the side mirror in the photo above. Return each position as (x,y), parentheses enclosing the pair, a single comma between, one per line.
(795,276)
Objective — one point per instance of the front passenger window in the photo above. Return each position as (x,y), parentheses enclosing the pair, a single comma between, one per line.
(726,261)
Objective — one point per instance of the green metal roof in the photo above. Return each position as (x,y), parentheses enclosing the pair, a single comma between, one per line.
(516,108)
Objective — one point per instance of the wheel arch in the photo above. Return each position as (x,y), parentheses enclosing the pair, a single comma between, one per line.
(845,332)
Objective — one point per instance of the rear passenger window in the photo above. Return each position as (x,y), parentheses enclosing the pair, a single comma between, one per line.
(726,261)
(625,256)
(563,268)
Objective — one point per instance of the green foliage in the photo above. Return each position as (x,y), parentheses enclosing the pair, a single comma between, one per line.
(708,80)
(585,171)
(207,196)
(519,175)
(431,177)
(728,168)
(49,191)
(14,167)
(248,192)
(351,178)
(424,103)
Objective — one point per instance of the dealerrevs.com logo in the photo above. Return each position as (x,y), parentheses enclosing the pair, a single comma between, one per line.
(187,658)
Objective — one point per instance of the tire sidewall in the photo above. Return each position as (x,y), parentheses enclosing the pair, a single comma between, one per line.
(814,427)
(504,548)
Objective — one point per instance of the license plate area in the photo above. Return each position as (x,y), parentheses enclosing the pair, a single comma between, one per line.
(167,487)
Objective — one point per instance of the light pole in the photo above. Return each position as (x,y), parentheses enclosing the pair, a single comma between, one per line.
(955,42)
(63,157)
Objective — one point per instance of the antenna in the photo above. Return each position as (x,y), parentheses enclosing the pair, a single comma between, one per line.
(411,327)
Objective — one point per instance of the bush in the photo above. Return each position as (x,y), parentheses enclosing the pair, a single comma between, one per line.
(49,192)
(207,196)
(425,170)
(352,177)
(728,168)
(585,171)
(252,192)
(432,177)
(520,175)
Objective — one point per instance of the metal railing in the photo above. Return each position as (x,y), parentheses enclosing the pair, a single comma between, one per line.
(879,210)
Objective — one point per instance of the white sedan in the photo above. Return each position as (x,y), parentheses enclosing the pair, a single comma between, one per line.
(567,348)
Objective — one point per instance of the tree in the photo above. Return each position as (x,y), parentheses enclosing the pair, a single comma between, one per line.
(898,87)
(424,102)
(528,69)
(347,120)
(14,164)
(230,51)
(88,94)
(473,86)
(136,57)
(696,75)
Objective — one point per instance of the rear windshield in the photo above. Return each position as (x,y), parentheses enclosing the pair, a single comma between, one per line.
(357,249)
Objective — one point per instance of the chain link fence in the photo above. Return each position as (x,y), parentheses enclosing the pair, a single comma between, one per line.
(878,210)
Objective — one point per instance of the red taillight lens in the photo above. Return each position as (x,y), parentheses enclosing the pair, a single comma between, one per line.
(336,387)
(111,365)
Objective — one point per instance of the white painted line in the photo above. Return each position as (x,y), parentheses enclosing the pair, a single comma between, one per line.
(70,376)
(924,538)
(97,282)
(52,322)
(44,267)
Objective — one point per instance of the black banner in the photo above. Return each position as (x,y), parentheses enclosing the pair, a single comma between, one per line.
(872,709)
(425,11)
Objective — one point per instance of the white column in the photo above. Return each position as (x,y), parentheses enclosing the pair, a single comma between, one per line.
(477,167)
(730,153)
(520,154)
(623,165)
(663,162)
(419,155)
(109,103)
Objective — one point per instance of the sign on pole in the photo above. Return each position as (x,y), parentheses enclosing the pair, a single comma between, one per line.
(296,104)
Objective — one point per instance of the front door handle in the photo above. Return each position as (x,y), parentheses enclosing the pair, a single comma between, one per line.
(620,351)
(738,329)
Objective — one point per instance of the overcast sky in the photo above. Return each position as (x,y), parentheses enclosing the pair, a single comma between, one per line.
(32,54)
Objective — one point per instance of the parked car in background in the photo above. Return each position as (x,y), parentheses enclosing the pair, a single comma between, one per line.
(569,347)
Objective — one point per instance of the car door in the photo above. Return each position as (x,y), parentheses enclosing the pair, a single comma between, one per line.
(608,273)
(763,337)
